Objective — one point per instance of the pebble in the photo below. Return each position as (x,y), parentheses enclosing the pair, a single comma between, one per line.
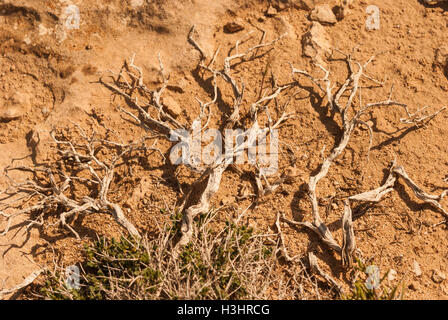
(306,4)
(15,107)
(438,276)
(391,275)
(172,107)
(233,27)
(416,268)
(441,57)
(316,43)
(323,14)
(271,12)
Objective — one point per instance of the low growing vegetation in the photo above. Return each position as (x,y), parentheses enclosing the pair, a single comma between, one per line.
(231,263)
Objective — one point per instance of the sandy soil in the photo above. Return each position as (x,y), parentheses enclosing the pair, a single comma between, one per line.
(56,71)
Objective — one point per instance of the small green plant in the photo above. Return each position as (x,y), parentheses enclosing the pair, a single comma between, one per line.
(227,262)
(370,286)
(109,263)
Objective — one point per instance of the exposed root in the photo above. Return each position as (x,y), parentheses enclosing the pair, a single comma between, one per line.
(377,194)
(317,270)
(282,246)
(348,235)
(422,195)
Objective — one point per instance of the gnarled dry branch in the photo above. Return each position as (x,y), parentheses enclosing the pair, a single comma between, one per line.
(51,185)
(151,115)
(334,95)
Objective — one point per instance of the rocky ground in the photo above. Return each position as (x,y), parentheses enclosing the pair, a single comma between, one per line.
(49,72)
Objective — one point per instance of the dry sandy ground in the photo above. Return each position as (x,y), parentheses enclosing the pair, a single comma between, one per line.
(55,71)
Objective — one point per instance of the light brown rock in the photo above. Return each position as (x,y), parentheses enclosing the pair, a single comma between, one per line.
(172,107)
(441,58)
(413,286)
(323,14)
(391,275)
(15,107)
(416,268)
(271,12)
(316,43)
(438,276)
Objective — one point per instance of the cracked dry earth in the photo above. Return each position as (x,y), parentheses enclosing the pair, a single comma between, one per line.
(49,78)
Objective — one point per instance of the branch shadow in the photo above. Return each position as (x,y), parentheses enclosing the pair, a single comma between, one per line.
(394,138)
(298,212)
(410,203)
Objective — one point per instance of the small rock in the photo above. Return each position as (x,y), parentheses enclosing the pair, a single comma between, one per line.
(334,205)
(343,9)
(316,43)
(271,11)
(413,286)
(323,14)
(172,107)
(416,269)
(441,58)
(339,13)
(179,86)
(27,40)
(15,107)
(282,26)
(136,3)
(398,259)
(89,47)
(233,27)
(438,276)
(45,111)
(391,275)
(444,289)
